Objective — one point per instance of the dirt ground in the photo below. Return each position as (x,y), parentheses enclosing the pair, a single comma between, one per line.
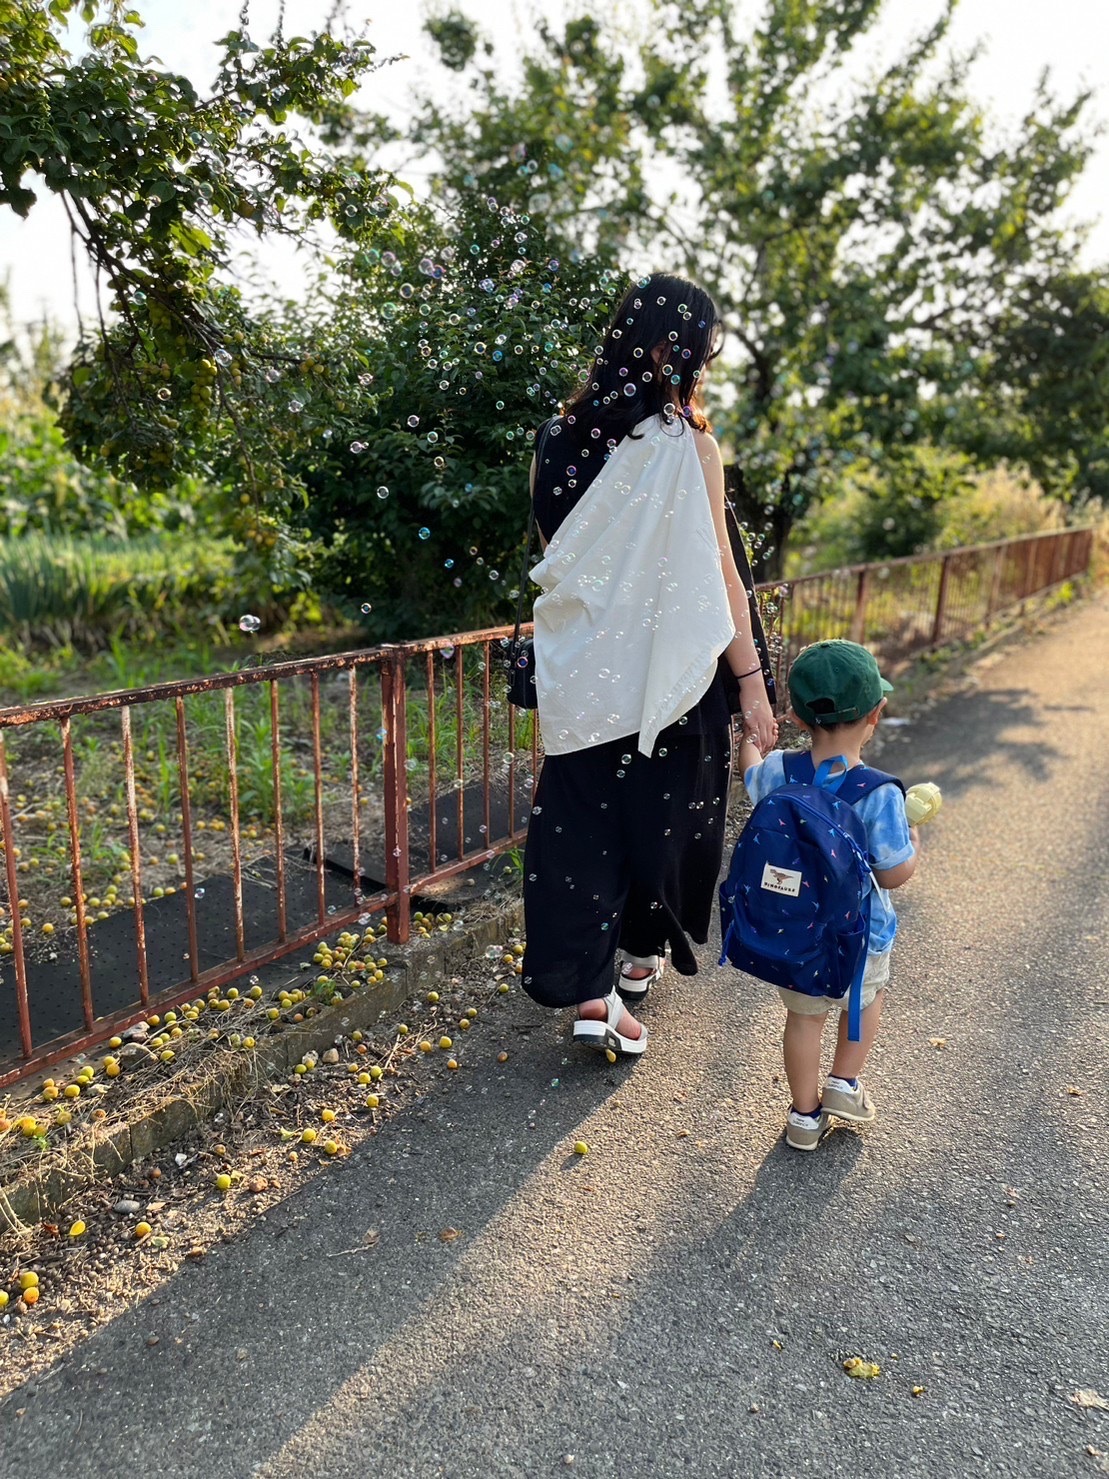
(122,1239)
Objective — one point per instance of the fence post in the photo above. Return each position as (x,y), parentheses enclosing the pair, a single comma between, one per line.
(858,619)
(395,745)
(941,602)
(999,555)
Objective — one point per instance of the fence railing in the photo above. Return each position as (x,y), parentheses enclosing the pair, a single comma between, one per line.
(160,842)
(901,607)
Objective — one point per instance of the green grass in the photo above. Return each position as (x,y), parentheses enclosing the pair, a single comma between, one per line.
(56,590)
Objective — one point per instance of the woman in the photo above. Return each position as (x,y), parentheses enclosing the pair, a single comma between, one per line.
(640,600)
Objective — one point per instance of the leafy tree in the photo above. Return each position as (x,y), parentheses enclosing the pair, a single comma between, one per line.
(870,241)
(157,180)
(42,484)
(1045,398)
(467,333)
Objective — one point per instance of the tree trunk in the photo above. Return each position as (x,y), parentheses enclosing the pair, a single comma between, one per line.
(769,525)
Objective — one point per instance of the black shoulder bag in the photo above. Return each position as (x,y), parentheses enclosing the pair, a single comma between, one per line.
(520,651)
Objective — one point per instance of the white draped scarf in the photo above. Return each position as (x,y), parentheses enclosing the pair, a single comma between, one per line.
(634,611)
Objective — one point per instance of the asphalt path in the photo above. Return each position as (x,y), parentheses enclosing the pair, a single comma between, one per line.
(680,1300)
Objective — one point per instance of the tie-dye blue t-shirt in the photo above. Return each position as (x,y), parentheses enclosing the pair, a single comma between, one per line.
(887,837)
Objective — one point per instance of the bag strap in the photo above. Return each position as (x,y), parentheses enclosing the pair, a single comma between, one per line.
(746,575)
(531,530)
(855,783)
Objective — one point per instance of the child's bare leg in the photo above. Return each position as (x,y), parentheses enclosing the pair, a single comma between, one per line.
(850,1059)
(801,1051)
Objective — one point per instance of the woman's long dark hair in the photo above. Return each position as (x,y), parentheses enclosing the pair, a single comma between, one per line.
(625,386)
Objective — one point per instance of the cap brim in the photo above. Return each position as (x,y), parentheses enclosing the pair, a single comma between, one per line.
(886,686)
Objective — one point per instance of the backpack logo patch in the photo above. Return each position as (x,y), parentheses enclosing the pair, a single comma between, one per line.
(781,880)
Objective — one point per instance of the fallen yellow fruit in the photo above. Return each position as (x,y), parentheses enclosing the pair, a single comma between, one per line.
(580,1147)
(445,1043)
(223,1181)
(3,1298)
(28,1280)
(30,1296)
(327,1115)
(372,1101)
(331,1147)
(377,1071)
(865,1370)
(308,1136)
(77,1229)
(143,1230)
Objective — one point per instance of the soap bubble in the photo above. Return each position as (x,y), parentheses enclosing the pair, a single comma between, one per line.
(249,623)
(383,491)
(366,608)
(357,447)
(222,358)
(425,533)
(413,422)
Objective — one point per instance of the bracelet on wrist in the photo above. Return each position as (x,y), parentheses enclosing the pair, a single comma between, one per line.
(739,677)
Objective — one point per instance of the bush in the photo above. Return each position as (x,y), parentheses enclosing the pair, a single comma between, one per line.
(931,501)
(1000,504)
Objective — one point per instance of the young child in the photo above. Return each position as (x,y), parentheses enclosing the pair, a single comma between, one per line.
(838,694)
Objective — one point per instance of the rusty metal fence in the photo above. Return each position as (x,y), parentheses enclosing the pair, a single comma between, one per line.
(162,841)
(325,791)
(901,607)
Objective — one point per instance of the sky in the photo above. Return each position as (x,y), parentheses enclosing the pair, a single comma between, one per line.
(1019,37)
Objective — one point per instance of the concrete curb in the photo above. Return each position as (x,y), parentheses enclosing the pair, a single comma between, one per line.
(100,1154)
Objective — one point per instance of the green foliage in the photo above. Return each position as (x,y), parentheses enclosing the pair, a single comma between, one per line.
(998,504)
(43,486)
(467,335)
(1046,394)
(870,242)
(156,180)
(927,501)
(55,589)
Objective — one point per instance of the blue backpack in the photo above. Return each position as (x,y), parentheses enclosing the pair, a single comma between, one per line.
(795,906)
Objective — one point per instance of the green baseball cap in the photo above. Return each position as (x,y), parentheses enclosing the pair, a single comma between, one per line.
(835,682)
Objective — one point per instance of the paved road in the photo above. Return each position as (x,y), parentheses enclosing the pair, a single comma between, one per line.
(680,1300)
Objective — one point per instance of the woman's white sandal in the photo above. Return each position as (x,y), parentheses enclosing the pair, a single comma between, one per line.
(635,988)
(603,1035)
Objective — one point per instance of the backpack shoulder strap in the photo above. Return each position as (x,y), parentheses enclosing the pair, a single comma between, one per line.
(857,783)
(798,767)
(862,780)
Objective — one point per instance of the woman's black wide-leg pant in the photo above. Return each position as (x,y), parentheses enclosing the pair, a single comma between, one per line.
(623,851)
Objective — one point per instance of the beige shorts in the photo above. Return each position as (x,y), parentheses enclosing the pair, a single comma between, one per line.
(875,980)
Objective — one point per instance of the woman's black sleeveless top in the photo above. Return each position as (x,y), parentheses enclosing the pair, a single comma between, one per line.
(571,459)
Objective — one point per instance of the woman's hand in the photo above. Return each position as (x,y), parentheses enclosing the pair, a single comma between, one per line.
(759,723)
